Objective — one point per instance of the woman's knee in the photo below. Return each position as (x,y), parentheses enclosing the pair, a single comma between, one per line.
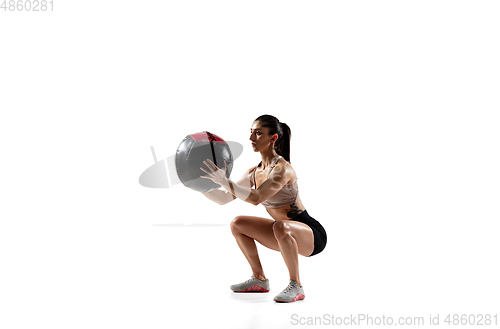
(281,229)
(237,224)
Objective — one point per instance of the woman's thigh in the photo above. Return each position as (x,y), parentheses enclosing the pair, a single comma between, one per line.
(257,228)
(266,230)
(301,232)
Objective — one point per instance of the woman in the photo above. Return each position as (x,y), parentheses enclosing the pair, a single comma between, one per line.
(291,231)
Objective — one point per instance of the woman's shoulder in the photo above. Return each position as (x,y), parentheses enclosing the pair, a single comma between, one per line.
(285,167)
(282,162)
(251,170)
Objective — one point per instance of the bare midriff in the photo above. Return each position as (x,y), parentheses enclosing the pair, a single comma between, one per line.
(286,212)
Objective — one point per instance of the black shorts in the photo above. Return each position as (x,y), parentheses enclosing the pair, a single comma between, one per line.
(318,231)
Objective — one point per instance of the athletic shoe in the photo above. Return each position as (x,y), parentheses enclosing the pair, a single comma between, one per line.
(292,293)
(251,285)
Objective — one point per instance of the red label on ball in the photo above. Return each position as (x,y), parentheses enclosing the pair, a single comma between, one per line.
(207,137)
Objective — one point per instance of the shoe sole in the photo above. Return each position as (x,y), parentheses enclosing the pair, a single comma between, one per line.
(296,298)
(255,288)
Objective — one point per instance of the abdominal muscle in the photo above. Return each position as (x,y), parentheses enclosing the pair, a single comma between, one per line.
(286,212)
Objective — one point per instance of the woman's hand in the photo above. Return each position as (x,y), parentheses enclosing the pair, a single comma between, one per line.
(214,173)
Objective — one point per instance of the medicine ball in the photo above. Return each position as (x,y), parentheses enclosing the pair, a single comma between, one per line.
(191,153)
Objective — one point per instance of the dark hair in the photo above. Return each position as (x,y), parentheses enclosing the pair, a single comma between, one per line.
(282,144)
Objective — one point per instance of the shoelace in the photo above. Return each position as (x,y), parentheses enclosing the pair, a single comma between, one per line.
(289,288)
(251,279)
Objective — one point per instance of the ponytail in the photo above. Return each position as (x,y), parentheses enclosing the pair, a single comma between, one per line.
(282,145)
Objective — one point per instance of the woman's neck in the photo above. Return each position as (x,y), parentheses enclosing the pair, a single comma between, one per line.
(267,157)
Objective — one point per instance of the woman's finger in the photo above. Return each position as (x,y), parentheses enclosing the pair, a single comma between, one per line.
(213,164)
(209,166)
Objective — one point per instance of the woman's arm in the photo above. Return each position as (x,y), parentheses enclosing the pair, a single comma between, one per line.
(223,196)
(219,196)
(277,179)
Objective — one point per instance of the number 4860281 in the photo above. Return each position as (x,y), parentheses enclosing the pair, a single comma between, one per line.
(27,5)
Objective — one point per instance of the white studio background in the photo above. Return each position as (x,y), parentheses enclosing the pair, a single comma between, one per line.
(393,108)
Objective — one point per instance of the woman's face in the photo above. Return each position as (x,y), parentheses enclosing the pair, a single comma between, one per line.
(260,138)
